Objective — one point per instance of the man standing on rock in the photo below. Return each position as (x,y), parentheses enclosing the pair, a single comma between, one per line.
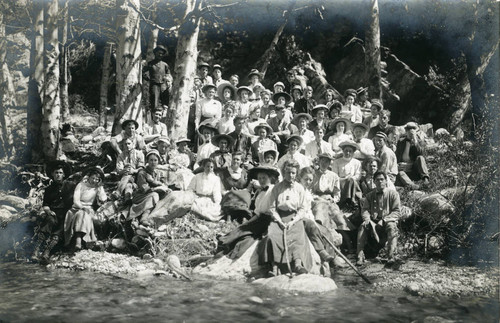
(157,72)
(380,213)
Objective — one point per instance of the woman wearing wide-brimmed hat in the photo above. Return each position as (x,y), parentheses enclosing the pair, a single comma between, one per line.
(209,107)
(222,156)
(341,126)
(149,189)
(243,103)
(181,161)
(349,171)
(263,142)
(226,92)
(254,119)
(319,113)
(366,147)
(207,129)
(302,121)
(293,152)
(78,225)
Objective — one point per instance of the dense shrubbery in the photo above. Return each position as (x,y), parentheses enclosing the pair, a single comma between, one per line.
(465,174)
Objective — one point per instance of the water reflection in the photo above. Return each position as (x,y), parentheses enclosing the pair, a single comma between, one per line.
(31,293)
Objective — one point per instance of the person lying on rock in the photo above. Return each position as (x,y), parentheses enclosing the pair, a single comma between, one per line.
(207,186)
(127,165)
(235,243)
(78,225)
(380,214)
(287,205)
(57,200)
(411,160)
(150,189)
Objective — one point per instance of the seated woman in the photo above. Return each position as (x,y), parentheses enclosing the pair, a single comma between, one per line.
(57,200)
(302,121)
(149,188)
(287,204)
(78,225)
(222,156)
(319,225)
(234,176)
(226,123)
(254,119)
(207,187)
(349,171)
(294,144)
(207,129)
(226,92)
(235,243)
(263,142)
(319,113)
(181,163)
(341,126)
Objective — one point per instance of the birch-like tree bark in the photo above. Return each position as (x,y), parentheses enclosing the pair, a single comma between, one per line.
(65,77)
(186,57)
(106,70)
(7,98)
(128,65)
(51,100)
(35,88)
(372,53)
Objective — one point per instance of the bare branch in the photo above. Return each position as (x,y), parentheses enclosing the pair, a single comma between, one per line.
(152,23)
(217,6)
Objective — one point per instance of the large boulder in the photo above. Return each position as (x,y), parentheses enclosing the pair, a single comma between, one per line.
(307,283)
(246,265)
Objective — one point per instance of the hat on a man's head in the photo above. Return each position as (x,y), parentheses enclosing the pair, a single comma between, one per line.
(297,87)
(349,143)
(278,84)
(126,122)
(411,126)
(216,66)
(56,164)
(203,64)
(319,107)
(243,88)
(296,138)
(160,48)
(254,72)
(360,125)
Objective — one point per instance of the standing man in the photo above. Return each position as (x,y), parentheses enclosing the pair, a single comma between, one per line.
(388,161)
(380,213)
(158,73)
(203,74)
(217,75)
(383,124)
(241,141)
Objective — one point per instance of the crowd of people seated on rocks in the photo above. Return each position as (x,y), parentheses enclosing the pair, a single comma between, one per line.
(315,170)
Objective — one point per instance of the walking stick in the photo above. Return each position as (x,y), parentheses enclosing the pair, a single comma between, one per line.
(347,261)
(286,251)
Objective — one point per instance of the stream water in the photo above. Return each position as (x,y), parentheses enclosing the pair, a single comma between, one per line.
(32,293)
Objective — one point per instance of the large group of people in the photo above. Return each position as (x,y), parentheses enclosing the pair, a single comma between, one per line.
(316,171)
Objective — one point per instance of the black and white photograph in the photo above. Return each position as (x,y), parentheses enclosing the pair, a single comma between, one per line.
(249,161)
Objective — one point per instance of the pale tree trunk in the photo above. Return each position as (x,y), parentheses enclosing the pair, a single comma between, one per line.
(103,102)
(7,98)
(152,41)
(268,54)
(51,103)
(65,77)
(372,53)
(128,65)
(153,38)
(35,88)
(186,57)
